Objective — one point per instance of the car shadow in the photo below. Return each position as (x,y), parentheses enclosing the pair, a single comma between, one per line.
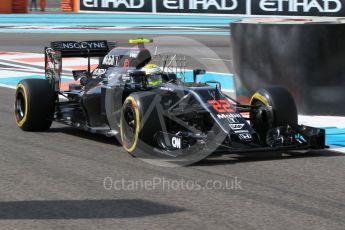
(252,157)
(83,209)
(86,135)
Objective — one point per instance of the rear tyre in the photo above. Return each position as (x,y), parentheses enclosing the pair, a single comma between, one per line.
(275,107)
(34,105)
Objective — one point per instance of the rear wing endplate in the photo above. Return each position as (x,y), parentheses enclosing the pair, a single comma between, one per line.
(71,49)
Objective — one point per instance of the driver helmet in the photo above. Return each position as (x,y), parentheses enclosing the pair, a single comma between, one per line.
(153,74)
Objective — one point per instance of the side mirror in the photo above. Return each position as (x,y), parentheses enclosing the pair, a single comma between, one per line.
(217,83)
(197,72)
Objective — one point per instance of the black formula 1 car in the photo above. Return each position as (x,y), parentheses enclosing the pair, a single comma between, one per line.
(181,122)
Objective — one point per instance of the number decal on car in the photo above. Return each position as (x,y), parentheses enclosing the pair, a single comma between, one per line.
(221,106)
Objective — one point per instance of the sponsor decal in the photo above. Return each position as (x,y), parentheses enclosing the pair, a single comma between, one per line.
(241,131)
(245,136)
(134,53)
(99,72)
(167,89)
(231,120)
(111,60)
(176,142)
(93,45)
(298,7)
(229,116)
(116,5)
(202,6)
(236,126)
(126,77)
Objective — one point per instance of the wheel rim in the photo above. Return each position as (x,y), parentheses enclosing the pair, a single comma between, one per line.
(20,106)
(129,125)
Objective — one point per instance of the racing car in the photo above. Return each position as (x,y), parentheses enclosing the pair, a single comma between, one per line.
(153,112)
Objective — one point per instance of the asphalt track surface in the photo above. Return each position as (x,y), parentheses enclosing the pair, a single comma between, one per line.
(55,180)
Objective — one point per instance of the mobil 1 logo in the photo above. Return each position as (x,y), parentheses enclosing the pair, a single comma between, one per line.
(298,7)
(116,5)
(202,6)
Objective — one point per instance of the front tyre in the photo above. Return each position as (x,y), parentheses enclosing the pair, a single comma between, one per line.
(34,105)
(139,123)
(130,124)
(275,107)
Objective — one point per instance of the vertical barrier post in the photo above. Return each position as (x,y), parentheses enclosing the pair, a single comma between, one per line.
(67,5)
(76,6)
(42,5)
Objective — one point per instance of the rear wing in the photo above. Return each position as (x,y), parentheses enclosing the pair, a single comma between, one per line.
(83,49)
(71,49)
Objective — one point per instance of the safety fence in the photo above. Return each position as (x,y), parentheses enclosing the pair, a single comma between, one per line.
(329,8)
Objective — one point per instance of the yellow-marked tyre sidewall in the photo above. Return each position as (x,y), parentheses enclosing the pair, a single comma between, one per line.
(39,100)
(132,147)
(21,122)
(259,97)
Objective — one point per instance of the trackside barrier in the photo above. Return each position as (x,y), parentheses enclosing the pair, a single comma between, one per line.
(306,57)
(19,6)
(329,8)
(6,7)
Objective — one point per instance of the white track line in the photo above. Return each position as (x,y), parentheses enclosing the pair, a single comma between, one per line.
(7,86)
(322,121)
(20,66)
(216,59)
(338,149)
